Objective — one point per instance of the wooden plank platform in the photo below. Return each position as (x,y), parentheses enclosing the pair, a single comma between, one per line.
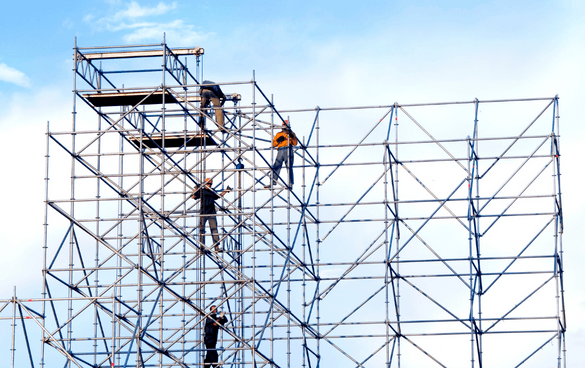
(198,51)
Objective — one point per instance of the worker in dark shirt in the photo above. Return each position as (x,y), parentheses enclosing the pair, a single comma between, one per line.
(212,324)
(208,212)
(211,92)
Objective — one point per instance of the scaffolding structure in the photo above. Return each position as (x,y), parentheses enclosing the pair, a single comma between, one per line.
(403,242)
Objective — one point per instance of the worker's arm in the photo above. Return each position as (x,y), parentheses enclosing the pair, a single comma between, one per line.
(227,190)
(196,193)
(278,138)
(222,319)
(293,138)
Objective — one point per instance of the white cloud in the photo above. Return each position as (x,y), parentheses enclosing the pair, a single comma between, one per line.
(177,31)
(134,10)
(122,26)
(133,18)
(11,75)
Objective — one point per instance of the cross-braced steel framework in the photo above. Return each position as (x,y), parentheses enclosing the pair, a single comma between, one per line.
(409,239)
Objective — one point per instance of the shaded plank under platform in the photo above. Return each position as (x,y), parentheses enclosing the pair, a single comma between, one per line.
(133,98)
(175,140)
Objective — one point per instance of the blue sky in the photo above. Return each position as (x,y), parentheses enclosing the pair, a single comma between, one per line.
(307,53)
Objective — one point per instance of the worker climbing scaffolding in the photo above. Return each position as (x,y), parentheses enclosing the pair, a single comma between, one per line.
(207,211)
(284,141)
(211,330)
(212,93)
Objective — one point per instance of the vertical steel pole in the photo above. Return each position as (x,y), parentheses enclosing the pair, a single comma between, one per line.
(141,240)
(117,292)
(304,245)
(385,160)
(162,203)
(271,194)
(97,225)
(13,347)
(184,207)
(396,199)
(471,218)
(72,210)
(288,245)
(113,342)
(563,320)
(254,127)
(239,326)
(479,283)
(46,242)
(470,215)
(558,245)
(317,234)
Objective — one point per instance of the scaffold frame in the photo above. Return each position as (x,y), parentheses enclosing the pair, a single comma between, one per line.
(405,242)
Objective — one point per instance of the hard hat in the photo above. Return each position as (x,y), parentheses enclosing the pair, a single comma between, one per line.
(285,123)
(208,180)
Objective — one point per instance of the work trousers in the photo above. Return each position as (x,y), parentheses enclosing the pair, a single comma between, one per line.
(284,155)
(206,98)
(211,357)
(212,226)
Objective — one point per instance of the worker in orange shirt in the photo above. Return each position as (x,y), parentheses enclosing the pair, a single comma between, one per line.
(284,141)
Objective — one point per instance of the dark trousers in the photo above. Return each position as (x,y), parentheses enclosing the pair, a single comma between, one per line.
(207,97)
(284,155)
(211,357)
(212,226)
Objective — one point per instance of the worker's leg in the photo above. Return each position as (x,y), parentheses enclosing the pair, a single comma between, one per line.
(202,219)
(214,233)
(280,157)
(218,110)
(289,164)
(213,357)
(210,357)
(203,106)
